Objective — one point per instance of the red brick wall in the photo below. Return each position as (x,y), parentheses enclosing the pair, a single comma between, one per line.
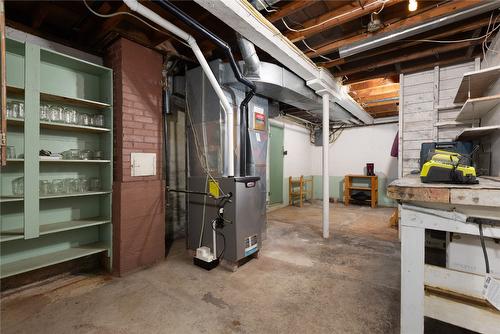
(138,202)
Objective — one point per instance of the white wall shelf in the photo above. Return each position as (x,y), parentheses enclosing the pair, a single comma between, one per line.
(477,132)
(476,83)
(478,107)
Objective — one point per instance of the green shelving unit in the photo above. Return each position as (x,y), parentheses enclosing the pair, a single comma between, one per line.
(38,231)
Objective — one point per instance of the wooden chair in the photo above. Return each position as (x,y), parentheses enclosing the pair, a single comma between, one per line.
(299,188)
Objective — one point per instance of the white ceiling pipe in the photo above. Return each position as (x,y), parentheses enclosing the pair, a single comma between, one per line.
(149,14)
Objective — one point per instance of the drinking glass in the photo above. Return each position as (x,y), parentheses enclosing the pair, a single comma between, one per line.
(98,155)
(11,152)
(9,110)
(14,105)
(95,184)
(73,154)
(18,186)
(69,186)
(44,188)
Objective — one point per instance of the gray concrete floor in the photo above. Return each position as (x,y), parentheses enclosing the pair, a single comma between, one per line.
(300,284)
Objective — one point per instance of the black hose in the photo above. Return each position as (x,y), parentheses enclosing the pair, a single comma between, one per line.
(481,236)
(234,66)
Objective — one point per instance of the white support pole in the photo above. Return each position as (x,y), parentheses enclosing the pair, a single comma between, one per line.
(326,177)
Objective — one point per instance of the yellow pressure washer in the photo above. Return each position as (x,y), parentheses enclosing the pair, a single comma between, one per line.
(448,167)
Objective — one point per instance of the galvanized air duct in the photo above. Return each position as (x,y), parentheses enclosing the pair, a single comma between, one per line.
(390,37)
(250,57)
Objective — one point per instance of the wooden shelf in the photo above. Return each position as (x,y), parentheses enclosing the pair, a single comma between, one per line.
(360,188)
(40,261)
(478,107)
(7,199)
(478,83)
(74,101)
(89,193)
(55,227)
(478,132)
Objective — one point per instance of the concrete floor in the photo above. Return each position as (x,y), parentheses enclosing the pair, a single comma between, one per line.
(300,284)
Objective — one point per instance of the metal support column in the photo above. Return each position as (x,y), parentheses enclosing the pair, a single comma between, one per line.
(326,178)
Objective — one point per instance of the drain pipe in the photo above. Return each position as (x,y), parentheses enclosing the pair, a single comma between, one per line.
(178,13)
(135,6)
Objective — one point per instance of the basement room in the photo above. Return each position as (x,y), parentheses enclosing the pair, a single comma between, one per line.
(250,166)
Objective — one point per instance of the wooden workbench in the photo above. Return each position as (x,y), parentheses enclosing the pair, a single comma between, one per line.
(437,292)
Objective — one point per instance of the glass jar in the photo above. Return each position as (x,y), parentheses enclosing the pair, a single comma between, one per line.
(86,155)
(44,112)
(14,109)
(57,187)
(56,114)
(70,186)
(9,110)
(70,116)
(84,184)
(21,110)
(98,120)
(84,119)
(73,154)
(98,155)
(44,188)
(11,152)
(18,186)
(95,184)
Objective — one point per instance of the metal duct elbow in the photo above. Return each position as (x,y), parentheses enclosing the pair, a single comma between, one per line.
(252,62)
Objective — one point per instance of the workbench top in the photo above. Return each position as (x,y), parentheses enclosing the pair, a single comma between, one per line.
(410,188)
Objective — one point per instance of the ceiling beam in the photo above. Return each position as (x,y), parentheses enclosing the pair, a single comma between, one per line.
(375,97)
(392,107)
(450,32)
(363,93)
(289,8)
(410,55)
(412,69)
(337,17)
(447,8)
(370,84)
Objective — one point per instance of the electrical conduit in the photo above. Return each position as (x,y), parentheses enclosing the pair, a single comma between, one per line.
(149,14)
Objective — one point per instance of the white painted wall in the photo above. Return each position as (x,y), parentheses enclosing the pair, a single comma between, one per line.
(357,146)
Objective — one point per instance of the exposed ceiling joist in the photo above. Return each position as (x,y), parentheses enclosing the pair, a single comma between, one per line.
(411,55)
(447,8)
(290,8)
(411,69)
(337,17)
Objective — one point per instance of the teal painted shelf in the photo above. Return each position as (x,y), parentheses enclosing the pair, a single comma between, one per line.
(18,233)
(60,126)
(37,262)
(8,236)
(39,231)
(65,161)
(7,199)
(89,193)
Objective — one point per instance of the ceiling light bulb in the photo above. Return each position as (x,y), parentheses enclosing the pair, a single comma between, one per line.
(412,5)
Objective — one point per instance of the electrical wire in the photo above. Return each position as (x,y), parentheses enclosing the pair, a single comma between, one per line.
(315,51)
(483,246)
(265,7)
(134,16)
(457,41)
(333,18)
(221,254)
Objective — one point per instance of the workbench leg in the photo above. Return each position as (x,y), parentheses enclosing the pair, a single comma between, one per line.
(412,279)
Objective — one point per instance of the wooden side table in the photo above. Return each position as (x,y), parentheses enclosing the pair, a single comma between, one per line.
(372,188)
